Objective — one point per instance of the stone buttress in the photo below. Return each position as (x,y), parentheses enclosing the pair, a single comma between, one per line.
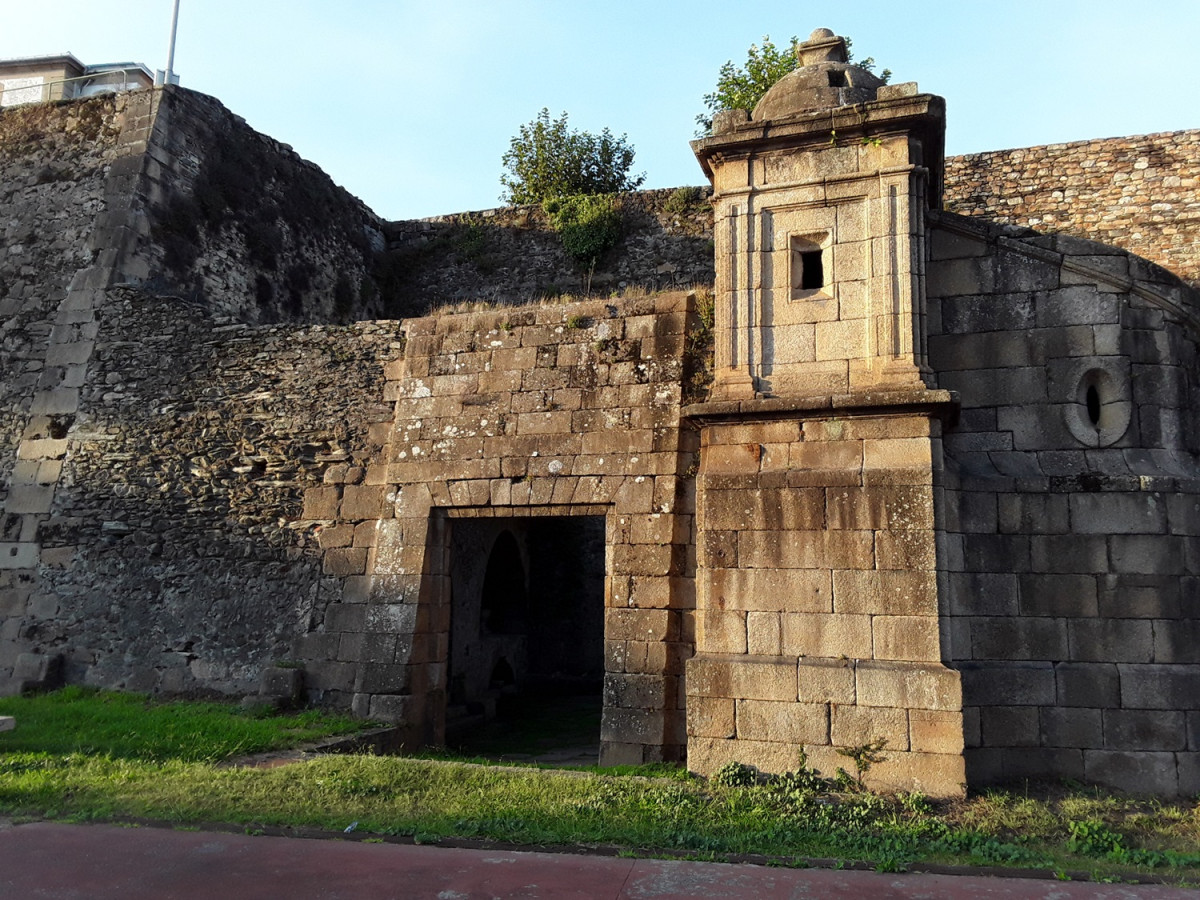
(818,521)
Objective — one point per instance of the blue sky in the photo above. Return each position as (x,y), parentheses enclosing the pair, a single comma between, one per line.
(410,105)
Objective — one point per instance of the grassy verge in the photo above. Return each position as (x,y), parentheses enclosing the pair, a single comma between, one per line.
(79,721)
(795,816)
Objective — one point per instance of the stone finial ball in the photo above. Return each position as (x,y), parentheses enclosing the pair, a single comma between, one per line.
(821,34)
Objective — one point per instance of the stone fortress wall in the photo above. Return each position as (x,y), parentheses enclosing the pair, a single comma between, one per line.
(554,411)
(202,477)
(69,174)
(1140,193)
(511,254)
(174,558)
(159,495)
(1072,504)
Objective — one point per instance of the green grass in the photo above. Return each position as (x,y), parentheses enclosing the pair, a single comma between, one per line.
(85,766)
(78,720)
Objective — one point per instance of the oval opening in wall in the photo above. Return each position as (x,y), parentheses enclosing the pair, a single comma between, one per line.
(1101,410)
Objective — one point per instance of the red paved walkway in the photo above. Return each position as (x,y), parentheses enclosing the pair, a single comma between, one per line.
(46,860)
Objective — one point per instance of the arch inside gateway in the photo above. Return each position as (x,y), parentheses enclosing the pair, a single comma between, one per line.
(526,655)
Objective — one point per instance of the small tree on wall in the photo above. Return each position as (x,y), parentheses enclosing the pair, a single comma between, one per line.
(546,159)
(741,87)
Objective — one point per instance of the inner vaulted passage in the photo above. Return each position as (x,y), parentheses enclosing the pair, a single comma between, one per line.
(526,621)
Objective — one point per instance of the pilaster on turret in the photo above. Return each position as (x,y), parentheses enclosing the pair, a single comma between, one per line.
(820,196)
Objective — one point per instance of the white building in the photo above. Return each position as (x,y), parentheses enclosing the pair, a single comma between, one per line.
(40,79)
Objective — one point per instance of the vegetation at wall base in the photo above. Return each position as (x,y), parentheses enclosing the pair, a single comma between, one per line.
(790,819)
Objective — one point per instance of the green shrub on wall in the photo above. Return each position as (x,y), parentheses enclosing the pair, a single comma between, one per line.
(589,225)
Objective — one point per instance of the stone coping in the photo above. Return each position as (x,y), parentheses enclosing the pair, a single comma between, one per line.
(938,402)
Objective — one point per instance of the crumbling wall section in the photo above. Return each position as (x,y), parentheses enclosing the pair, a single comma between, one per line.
(1141,193)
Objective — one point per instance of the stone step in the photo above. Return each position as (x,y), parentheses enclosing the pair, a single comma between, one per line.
(7,723)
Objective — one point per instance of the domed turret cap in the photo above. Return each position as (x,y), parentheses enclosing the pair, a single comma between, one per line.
(825,80)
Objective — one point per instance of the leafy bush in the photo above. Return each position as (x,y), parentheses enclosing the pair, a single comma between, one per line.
(736,774)
(1092,838)
(684,199)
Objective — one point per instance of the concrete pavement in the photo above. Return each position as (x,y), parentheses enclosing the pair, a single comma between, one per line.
(72,862)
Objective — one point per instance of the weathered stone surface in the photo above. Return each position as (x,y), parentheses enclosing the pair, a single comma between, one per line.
(907,685)
(855,726)
(711,717)
(1065,187)
(707,754)
(787,722)
(1138,772)
(747,677)
(1005,684)
(826,681)
(935,731)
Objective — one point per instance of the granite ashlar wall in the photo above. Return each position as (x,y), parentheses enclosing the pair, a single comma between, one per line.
(1073,507)
(1139,193)
(174,558)
(817,622)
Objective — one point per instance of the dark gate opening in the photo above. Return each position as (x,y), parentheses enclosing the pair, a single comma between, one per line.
(526,655)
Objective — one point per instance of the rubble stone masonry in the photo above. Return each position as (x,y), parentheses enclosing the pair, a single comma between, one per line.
(1140,193)
(173,558)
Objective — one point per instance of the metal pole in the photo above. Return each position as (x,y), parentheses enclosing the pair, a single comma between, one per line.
(171,47)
